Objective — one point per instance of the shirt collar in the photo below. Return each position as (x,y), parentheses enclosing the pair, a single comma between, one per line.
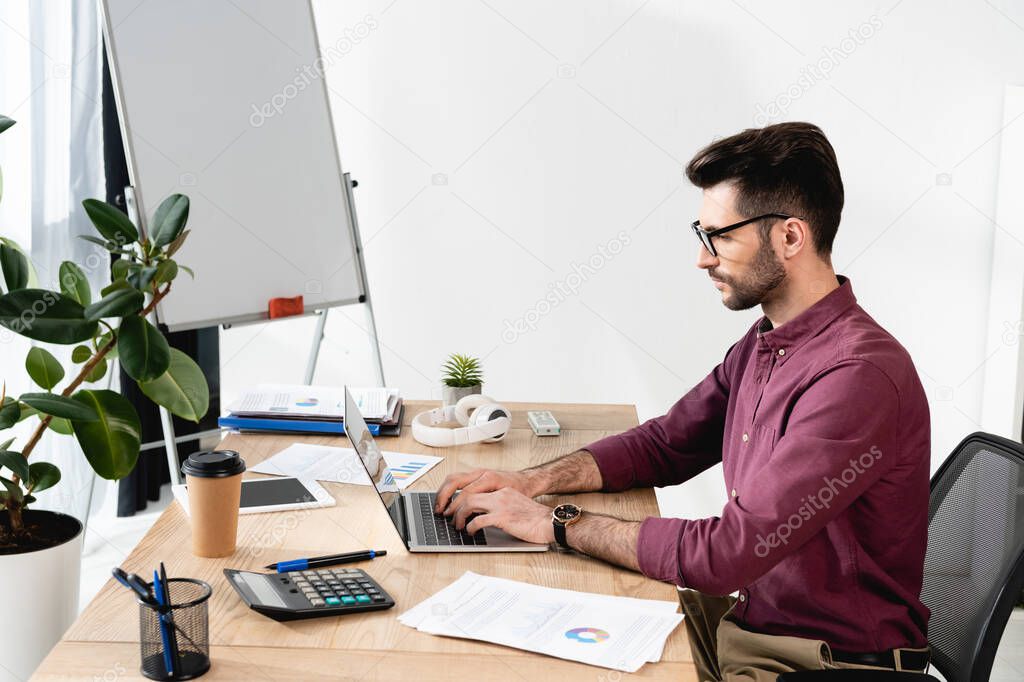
(788,338)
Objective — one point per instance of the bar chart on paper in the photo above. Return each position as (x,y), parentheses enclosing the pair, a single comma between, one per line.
(407,470)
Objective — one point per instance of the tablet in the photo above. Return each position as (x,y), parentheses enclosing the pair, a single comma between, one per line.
(261,495)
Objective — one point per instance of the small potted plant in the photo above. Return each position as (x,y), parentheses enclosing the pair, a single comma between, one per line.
(40,551)
(462,376)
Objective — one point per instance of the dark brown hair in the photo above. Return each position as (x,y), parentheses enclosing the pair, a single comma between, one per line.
(783,168)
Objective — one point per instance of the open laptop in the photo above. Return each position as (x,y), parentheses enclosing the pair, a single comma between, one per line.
(413,512)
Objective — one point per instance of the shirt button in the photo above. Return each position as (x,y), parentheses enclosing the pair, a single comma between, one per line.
(734,492)
(743,597)
(745,438)
(782,351)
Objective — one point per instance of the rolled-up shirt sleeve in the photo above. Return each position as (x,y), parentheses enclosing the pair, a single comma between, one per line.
(842,436)
(674,447)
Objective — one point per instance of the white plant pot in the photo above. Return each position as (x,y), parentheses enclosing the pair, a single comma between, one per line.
(40,601)
(453,394)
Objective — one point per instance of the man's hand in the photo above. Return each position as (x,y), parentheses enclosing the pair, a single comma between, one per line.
(478,481)
(509,510)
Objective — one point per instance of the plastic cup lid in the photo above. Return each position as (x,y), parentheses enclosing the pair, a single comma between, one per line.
(213,464)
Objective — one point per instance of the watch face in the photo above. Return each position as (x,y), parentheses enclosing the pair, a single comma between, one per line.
(567,512)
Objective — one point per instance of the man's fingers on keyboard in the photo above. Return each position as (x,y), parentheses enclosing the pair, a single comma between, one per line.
(479,522)
(470,505)
(451,483)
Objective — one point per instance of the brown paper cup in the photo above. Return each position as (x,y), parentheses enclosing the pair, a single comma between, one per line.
(213,506)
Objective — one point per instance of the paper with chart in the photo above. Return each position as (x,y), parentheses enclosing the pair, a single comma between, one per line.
(612,632)
(341,465)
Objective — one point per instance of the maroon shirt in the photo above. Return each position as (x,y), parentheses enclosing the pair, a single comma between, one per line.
(822,428)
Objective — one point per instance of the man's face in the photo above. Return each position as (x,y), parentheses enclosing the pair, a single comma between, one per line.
(746,270)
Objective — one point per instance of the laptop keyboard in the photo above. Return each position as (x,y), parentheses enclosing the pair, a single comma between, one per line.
(438,529)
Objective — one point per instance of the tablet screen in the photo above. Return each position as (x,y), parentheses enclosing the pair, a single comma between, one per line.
(271,491)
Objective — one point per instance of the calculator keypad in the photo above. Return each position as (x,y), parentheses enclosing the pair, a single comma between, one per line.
(337,587)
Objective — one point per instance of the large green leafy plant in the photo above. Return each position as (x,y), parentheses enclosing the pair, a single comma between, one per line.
(110,324)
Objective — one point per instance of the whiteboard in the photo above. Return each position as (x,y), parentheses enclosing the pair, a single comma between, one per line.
(222,101)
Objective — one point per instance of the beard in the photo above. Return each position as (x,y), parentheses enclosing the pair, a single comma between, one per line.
(766,275)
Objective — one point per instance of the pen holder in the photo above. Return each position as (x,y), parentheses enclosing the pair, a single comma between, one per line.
(187,630)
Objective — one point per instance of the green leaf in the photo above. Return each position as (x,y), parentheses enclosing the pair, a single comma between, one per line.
(108,245)
(59,406)
(27,412)
(173,247)
(33,281)
(80,354)
(10,413)
(15,267)
(45,316)
(169,220)
(61,426)
(6,444)
(118,303)
(181,389)
(74,284)
(188,270)
(6,123)
(16,462)
(114,286)
(144,352)
(111,222)
(99,371)
(141,278)
(111,443)
(119,269)
(166,272)
(42,475)
(43,368)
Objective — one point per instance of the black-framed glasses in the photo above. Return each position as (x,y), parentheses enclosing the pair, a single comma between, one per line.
(705,235)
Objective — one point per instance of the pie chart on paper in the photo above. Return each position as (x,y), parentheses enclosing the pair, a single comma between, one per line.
(587,635)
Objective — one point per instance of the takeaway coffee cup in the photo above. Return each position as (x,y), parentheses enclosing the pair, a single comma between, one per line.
(214,481)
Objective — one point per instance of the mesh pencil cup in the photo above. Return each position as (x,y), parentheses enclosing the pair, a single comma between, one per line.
(186,631)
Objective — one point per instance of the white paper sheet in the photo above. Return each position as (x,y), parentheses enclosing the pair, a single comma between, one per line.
(340,465)
(612,632)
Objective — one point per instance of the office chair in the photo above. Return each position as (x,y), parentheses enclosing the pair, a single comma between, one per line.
(974,567)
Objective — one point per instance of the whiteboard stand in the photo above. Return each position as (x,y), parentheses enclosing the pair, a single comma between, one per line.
(321,322)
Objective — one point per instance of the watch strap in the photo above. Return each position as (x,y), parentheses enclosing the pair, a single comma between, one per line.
(560,534)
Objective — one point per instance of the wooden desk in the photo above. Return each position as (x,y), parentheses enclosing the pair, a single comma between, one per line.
(103,642)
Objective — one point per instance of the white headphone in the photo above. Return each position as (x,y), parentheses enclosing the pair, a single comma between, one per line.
(481,418)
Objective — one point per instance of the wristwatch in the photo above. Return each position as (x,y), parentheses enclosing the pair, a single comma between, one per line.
(564,515)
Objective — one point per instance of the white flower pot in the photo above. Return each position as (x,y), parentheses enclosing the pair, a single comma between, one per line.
(40,598)
(453,394)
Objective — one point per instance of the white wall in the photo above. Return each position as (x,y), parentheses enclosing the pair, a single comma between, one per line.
(498,144)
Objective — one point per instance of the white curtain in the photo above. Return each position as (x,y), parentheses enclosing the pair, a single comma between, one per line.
(52,159)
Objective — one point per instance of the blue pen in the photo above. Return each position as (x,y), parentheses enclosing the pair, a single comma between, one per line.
(161,599)
(331,560)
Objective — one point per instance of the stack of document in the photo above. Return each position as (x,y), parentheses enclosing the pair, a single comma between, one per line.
(620,633)
(312,409)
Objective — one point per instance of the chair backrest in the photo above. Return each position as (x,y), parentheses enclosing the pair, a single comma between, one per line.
(974,569)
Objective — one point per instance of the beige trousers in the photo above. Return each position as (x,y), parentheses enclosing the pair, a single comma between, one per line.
(725,652)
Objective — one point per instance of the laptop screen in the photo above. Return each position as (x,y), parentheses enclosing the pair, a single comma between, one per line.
(373,461)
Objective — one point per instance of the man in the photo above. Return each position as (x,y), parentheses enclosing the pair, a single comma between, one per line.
(821,424)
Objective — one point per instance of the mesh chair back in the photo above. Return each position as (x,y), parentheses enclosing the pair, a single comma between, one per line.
(974,569)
